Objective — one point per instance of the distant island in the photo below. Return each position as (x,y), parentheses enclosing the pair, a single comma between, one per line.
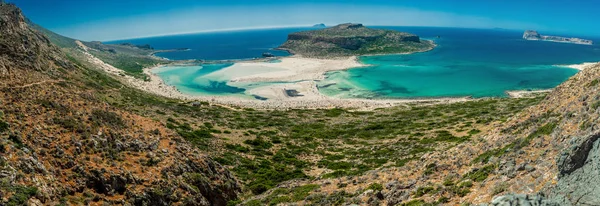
(351,40)
(535,36)
(321,25)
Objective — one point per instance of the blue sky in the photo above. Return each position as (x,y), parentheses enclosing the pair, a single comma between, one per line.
(122,19)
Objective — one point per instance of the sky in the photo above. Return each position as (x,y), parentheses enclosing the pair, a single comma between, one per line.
(105,20)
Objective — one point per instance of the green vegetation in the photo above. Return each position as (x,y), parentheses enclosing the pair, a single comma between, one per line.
(479,175)
(285,195)
(353,39)
(264,148)
(278,146)
(594,83)
(499,188)
(130,63)
(20,194)
(415,203)
(517,144)
(424,190)
(108,118)
(57,39)
(3,125)
(375,187)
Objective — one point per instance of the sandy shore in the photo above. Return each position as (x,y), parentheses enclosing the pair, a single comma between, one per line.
(301,74)
(526,93)
(580,66)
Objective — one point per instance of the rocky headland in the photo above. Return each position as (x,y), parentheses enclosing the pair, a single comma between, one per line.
(535,36)
(352,40)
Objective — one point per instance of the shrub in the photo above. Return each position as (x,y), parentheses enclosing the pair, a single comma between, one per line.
(334,112)
(499,188)
(22,194)
(375,187)
(3,126)
(480,175)
(300,193)
(109,118)
(424,190)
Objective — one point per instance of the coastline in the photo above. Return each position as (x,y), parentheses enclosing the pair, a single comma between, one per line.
(579,67)
(301,75)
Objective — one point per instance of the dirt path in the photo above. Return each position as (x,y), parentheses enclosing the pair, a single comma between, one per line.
(36,83)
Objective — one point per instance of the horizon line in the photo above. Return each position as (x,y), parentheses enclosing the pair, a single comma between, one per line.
(303,26)
(214,31)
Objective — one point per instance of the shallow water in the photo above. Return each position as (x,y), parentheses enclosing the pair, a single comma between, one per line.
(467,62)
(191,80)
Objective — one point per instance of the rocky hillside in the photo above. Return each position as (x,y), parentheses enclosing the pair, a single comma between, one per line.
(72,135)
(60,143)
(353,39)
(546,155)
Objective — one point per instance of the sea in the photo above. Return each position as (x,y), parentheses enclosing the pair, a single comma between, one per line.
(466,62)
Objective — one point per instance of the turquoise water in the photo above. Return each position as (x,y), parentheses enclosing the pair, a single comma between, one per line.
(467,62)
(191,80)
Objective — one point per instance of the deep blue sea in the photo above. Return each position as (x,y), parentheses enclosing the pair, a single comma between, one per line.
(246,44)
(466,62)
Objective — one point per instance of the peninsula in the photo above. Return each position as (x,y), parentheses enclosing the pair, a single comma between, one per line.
(535,36)
(349,39)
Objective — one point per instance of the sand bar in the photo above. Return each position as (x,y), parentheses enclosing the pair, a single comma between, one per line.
(301,75)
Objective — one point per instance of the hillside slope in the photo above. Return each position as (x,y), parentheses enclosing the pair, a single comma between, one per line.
(352,40)
(70,134)
(61,143)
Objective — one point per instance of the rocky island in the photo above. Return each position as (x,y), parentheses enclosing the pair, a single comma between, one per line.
(535,36)
(351,40)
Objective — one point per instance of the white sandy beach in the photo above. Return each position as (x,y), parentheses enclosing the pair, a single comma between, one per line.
(302,73)
(580,66)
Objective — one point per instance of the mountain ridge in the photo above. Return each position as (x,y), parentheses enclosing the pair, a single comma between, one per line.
(59,139)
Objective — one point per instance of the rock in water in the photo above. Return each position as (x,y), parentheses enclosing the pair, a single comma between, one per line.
(267,54)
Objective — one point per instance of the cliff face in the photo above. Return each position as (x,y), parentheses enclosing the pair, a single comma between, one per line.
(572,149)
(61,143)
(353,39)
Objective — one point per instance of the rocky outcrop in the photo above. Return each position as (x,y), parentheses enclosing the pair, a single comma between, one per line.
(522,200)
(321,25)
(575,144)
(60,143)
(579,180)
(353,39)
(535,36)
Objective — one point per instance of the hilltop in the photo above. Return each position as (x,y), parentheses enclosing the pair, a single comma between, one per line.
(351,40)
(71,134)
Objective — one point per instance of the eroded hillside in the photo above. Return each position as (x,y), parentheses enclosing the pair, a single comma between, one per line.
(548,154)
(70,134)
(61,143)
